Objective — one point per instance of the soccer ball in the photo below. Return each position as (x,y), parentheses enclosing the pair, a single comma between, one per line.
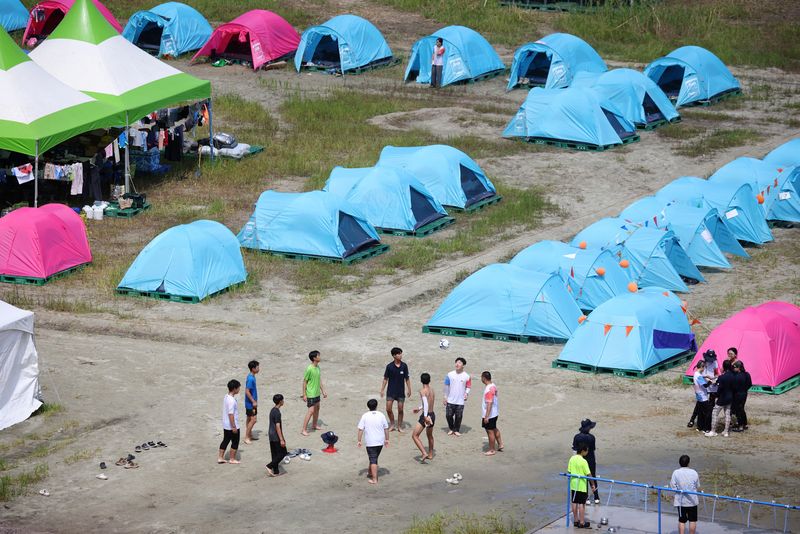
(444,344)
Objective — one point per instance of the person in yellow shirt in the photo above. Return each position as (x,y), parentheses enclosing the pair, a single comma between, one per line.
(579,487)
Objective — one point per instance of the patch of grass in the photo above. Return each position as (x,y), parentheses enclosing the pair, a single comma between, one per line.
(49,409)
(719,140)
(711,116)
(12,486)
(81,455)
(680,131)
(785,427)
(442,523)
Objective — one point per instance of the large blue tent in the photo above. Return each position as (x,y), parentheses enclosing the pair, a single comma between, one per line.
(343,43)
(776,187)
(452,177)
(573,115)
(13,15)
(390,198)
(735,201)
(655,256)
(315,224)
(169,29)
(702,233)
(788,154)
(553,61)
(505,299)
(467,56)
(786,160)
(633,335)
(192,261)
(691,75)
(633,94)
(592,276)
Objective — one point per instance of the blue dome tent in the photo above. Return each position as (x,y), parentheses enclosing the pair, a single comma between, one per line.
(633,335)
(169,29)
(552,62)
(735,201)
(633,94)
(13,15)
(343,43)
(570,118)
(452,177)
(702,233)
(591,276)
(186,263)
(507,303)
(390,198)
(467,57)
(314,225)
(788,154)
(776,190)
(692,75)
(655,257)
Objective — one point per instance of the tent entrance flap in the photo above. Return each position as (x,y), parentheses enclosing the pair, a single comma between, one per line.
(45,21)
(671,80)
(326,52)
(150,37)
(614,121)
(538,69)
(651,111)
(473,188)
(353,236)
(238,48)
(424,212)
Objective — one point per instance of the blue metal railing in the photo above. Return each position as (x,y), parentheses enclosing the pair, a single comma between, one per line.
(659,489)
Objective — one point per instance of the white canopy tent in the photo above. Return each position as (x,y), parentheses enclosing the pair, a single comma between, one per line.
(19,366)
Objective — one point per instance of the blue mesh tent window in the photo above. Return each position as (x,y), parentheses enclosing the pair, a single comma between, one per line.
(614,121)
(353,236)
(150,37)
(473,188)
(424,212)
(671,80)
(538,69)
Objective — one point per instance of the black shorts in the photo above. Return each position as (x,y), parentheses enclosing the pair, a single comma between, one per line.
(422,419)
(579,497)
(251,412)
(373,453)
(491,424)
(687,514)
(311,401)
(396,398)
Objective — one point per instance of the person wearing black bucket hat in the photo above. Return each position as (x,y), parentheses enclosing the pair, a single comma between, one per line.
(584,437)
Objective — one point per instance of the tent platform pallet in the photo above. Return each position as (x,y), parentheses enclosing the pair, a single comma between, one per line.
(783,387)
(355,258)
(422,231)
(485,203)
(379,64)
(482,77)
(114,212)
(482,334)
(167,296)
(575,145)
(716,99)
(675,361)
(658,124)
(31,281)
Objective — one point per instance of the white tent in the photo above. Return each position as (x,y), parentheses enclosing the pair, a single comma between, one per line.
(19,366)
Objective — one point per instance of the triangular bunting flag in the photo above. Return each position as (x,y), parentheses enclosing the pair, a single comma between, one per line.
(776,182)
(572,272)
(695,321)
(628,330)
(606,328)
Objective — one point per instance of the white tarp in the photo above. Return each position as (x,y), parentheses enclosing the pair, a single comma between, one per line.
(19,366)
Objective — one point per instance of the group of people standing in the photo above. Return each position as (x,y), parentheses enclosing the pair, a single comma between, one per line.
(720,394)
(373,427)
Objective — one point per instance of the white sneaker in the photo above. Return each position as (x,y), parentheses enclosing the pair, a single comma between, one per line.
(725,434)
(711,434)
(457,476)
(453,481)
(597,501)
(287,460)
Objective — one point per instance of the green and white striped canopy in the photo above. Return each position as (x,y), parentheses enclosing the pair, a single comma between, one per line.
(88,54)
(35,106)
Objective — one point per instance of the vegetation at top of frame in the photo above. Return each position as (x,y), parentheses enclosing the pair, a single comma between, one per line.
(740,32)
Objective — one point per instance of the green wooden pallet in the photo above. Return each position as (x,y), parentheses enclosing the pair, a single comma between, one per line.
(482,77)
(626,373)
(658,124)
(485,203)
(114,212)
(574,145)
(380,64)
(355,258)
(483,334)
(423,231)
(783,387)
(31,281)
(711,101)
(167,296)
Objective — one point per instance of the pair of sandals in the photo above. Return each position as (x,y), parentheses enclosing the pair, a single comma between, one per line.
(127,462)
(585,524)
(149,445)
(455,479)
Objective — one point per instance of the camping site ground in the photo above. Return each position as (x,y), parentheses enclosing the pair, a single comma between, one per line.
(121,371)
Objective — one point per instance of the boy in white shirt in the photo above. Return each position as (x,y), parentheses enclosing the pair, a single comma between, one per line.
(457,385)
(230,424)
(490,414)
(374,428)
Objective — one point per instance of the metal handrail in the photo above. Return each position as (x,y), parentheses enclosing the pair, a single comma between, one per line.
(659,489)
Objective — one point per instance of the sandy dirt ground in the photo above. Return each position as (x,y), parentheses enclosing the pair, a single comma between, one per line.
(158,371)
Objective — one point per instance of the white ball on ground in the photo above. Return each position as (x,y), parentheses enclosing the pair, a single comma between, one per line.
(444,344)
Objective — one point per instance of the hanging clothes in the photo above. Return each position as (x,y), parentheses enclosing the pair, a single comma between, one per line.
(77,179)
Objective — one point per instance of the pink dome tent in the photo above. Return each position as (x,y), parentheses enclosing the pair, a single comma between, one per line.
(37,244)
(46,15)
(258,36)
(768,340)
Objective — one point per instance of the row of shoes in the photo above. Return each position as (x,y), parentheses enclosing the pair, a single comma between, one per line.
(455,479)
(303,454)
(149,445)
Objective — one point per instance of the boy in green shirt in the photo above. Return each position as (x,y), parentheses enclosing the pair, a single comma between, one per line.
(312,386)
(579,487)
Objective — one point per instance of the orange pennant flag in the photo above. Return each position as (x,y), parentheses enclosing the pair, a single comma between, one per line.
(628,330)
(776,182)
(606,329)
(695,321)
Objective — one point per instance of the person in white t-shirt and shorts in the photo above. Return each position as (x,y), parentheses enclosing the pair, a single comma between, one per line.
(230,424)
(437,63)
(373,429)
(490,415)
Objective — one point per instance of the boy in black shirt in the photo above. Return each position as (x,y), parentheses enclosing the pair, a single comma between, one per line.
(277,443)
(396,375)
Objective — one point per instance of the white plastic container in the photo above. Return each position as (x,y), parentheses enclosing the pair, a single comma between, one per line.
(89,211)
(98,213)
